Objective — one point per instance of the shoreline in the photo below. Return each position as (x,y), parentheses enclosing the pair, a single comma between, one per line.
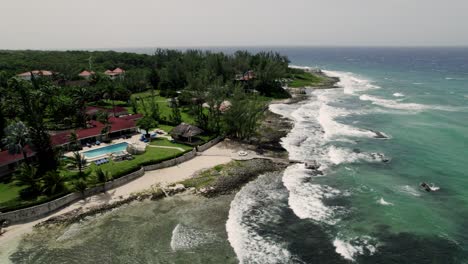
(216,155)
(221,153)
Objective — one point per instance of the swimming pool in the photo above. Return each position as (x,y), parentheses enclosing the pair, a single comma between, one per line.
(106,150)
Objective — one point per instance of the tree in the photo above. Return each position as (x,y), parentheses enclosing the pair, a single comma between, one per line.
(175,116)
(103,117)
(80,186)
(79,162)
(146,123)
(53,183)
(216,95)
(102,176)
(241,120)
(197,90)
(154,107)
(134,105)
(34,97)
(2,124)
(154,79)
(80,96)
(74,142)
(17,137)
(27,175)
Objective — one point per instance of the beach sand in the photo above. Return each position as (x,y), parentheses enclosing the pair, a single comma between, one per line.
(221,153)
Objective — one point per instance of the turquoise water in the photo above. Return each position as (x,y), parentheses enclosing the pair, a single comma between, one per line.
(361,210)
(106,150)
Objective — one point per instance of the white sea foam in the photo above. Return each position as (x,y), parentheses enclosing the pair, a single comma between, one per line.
(257,204)
(305,198)
(345,249)
(397,104)
(351,83)
(398,95)
(332,128)
(184,238)
(383,202)
(356,246)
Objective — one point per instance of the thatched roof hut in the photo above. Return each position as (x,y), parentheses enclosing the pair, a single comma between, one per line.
(185,132)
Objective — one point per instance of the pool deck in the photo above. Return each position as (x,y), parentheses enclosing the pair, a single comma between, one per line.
(134,140)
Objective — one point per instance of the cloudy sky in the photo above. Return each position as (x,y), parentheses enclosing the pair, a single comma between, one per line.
(67,24)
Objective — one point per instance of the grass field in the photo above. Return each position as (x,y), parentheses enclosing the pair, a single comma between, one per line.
(305,79)
(165,142)
(9,192)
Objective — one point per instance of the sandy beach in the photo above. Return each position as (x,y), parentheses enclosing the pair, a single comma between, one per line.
(218,154)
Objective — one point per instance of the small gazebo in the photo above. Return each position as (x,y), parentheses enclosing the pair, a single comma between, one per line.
(185,132)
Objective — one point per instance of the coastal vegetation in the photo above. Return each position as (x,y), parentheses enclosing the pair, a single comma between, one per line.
(223,94)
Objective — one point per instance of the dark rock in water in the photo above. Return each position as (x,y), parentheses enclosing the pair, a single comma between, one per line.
(312,165)
(356,150)
(379,156)
(379,134)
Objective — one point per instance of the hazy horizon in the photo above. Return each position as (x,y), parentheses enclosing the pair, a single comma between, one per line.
(117,24)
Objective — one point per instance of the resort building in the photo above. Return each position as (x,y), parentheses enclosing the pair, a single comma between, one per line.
(125,125)
(247,76)
(185,133)
(114,74)
(118,128)
(8,161)
(36,73)
(86,74)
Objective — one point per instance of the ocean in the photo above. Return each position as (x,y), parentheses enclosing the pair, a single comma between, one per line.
(365,207)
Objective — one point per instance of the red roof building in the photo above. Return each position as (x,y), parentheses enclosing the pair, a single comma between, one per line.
(35,73)
(86,74)
(118,126)
(94,130)
(117,72)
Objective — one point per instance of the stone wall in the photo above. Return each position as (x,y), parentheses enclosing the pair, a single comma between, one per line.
(38,211)
(209,144)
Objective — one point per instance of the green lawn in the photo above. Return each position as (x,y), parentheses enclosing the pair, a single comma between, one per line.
(152,155)
(165,142)
(163,104)
(9,192)
(166,128)
(305,79)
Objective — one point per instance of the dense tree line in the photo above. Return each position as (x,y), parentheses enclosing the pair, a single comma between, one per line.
(205,85)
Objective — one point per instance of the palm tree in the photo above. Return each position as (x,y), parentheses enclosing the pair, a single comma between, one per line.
(80,186)
(103,117)
(79,161)
(26,175)
(17,137)
(53,183)
(102,176)
(74,143)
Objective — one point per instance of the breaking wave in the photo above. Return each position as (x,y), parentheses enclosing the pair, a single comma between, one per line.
(381,201)
(305,198)
(397,104)
(356,246)
(258,204)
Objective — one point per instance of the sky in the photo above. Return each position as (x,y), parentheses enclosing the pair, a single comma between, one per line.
(83,24)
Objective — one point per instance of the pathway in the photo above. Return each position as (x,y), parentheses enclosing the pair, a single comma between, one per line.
(167,147)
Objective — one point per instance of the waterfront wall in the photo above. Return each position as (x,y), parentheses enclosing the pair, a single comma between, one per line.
(42,210)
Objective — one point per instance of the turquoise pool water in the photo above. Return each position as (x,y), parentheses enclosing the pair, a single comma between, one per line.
(106,150)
